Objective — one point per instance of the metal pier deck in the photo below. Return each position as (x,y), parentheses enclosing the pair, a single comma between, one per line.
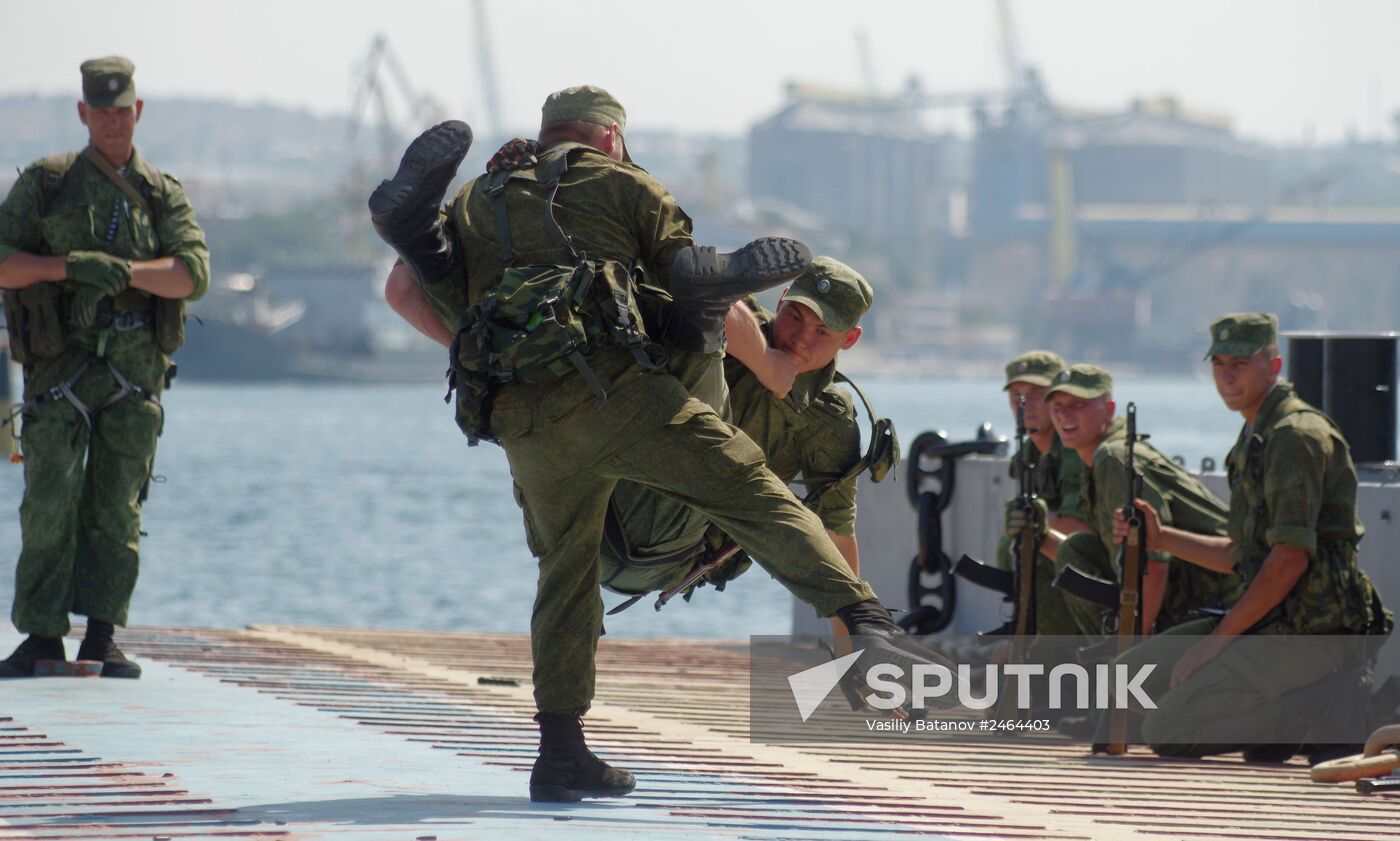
(302,733)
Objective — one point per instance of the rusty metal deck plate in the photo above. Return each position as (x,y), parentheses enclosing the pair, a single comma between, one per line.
(305,733)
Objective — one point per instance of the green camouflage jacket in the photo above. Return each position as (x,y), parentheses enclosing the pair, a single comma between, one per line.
(611,210)
(1292,483)
(63,203)
(1181,500)
(812,433)
(1058,477)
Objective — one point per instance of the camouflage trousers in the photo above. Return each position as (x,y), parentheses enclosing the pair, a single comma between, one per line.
(566,454)
(80,518)
(653,524)
(1057,612)
(1238,692)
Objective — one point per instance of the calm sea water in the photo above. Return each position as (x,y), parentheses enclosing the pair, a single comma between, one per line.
(361,505)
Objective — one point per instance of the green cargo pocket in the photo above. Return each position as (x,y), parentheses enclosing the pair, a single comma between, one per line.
(19,350)
(691,408)
(531,538)
(143,231)
(728,445)
(40,319)
(71,230)
(169,323)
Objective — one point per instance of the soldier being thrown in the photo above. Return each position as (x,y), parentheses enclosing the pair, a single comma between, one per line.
(98,252)
(605,409)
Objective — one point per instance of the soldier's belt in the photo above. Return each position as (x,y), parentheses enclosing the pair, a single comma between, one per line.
(131,299)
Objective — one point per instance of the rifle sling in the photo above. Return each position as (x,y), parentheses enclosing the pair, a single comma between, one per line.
(95,158)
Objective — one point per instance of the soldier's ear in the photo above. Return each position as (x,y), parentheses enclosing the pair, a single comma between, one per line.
(82,112)
(614,142)
(852,336)
(140,103)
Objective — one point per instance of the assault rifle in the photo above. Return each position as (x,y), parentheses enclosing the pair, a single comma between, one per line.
(1132,565)
(712,562)
(719,558)
(1096,591)
(1018,585)
(1027,549)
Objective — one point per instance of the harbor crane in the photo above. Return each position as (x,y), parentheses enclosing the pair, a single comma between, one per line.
(374,75)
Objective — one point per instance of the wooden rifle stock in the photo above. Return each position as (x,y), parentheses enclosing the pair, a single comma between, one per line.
(1132,562)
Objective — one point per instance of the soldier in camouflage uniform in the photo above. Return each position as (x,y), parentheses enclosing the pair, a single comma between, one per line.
(780,372)
(98,251)
(567,448)
(1082,408)
(1057,475)
(1292,536)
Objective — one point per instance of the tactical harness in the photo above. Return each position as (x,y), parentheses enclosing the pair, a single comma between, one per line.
(19,311)
(64,391)
(542,321)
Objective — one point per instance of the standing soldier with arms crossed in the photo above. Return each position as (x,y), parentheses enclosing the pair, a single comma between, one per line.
(98,252)
(1292,536)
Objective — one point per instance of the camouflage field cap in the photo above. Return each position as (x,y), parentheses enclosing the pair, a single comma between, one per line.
(586,104)
(835,292)
(108,82)
(1242,334)
(1086,381)
(1037,367)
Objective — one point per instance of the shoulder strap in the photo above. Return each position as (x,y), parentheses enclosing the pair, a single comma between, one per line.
(881,454)
(547,174)
(117,180)
(53,179)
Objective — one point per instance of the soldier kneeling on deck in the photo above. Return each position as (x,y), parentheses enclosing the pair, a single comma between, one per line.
(1292,536)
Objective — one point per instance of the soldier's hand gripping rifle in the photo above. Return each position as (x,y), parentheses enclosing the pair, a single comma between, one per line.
(1132,565)
(1018,584)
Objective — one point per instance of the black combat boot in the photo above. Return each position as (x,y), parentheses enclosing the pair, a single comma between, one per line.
(566,770)
(874,632)
(1318,754)
(33,649)
(705,283)
(405,209)
(1271,754)
(98,645)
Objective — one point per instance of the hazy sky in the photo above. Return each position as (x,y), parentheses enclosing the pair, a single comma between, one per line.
(1276,66)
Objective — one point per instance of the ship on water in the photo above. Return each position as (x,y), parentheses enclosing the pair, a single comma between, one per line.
(323,323)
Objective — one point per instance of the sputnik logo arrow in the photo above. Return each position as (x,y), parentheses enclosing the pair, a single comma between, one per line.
(810,687)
